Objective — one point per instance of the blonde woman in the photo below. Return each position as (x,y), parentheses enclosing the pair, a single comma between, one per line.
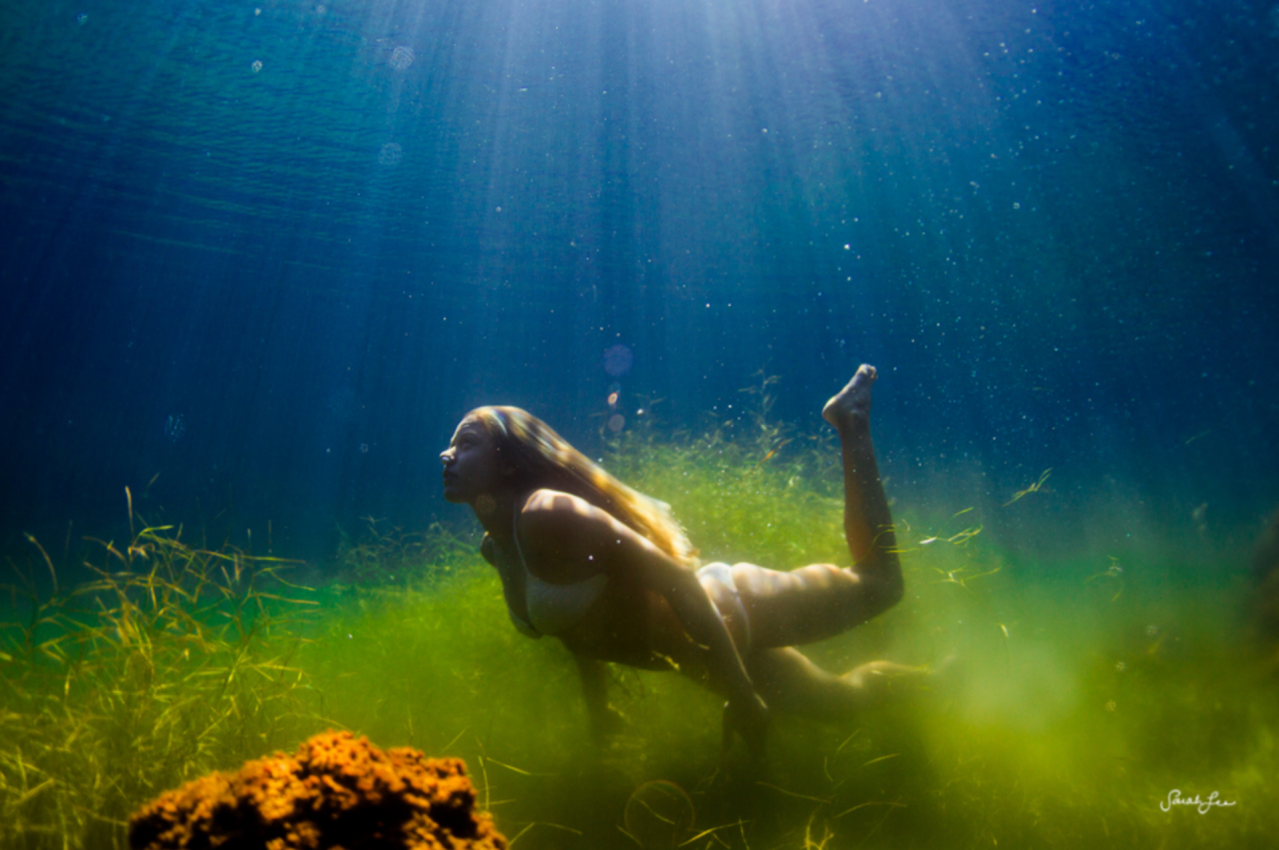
(607,571)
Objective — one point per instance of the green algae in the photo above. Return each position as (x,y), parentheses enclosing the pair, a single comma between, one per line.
(1081,693)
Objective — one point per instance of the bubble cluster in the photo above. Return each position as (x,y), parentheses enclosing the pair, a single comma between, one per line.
(256,66)
(401,58)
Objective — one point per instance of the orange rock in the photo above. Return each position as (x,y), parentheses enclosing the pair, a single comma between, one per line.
(337,791)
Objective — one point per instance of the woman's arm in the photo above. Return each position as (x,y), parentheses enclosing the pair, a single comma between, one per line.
(563,529)
(604,719)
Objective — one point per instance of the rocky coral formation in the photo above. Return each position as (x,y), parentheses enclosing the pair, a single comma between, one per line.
(337,791)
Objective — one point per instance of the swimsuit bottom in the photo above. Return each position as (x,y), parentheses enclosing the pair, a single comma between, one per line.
(717,579)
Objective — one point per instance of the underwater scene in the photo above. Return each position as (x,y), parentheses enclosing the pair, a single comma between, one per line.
(459,407)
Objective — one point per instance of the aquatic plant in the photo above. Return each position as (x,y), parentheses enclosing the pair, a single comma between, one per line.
(175,660)
(383,554)
(337,791)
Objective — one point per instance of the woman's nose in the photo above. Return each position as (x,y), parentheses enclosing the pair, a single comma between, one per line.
(445,457)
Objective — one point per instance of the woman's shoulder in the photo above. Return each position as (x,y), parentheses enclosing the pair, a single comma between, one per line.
(550,501)
(550,513)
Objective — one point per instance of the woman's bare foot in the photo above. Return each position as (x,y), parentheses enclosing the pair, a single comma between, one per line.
(852,403)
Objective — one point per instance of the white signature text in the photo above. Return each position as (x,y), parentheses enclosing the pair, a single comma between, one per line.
(1202,806)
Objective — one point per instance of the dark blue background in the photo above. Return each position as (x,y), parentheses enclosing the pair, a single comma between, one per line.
(1054,226)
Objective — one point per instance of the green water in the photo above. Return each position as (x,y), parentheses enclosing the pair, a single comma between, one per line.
(1083,689)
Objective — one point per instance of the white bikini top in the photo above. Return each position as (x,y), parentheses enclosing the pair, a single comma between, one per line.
(552,608)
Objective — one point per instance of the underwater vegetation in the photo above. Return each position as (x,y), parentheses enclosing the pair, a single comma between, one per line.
(175,661)
(337,791)
(1090,696)
(384,555)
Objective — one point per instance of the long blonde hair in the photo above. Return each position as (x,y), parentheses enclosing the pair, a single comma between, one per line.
(542,458)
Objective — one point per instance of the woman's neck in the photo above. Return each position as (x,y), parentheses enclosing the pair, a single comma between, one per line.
(496,513)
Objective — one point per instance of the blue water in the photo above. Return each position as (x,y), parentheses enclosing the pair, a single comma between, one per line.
(258,260)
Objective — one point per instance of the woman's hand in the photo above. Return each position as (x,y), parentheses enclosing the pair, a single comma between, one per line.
(605,720)
(606,723)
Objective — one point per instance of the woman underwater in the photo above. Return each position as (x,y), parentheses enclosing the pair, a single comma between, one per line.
(607,570)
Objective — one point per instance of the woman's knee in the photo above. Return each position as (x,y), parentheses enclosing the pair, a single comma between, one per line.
(880,589)
(888,588)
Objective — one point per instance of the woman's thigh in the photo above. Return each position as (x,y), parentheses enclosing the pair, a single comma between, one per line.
(790,683)
(805,605)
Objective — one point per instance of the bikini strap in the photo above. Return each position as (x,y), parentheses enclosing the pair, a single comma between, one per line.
(515,534)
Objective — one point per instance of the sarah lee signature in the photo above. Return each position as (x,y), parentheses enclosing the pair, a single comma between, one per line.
(1202,806)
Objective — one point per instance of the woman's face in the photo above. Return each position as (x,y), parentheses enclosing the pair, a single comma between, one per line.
(472,463)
